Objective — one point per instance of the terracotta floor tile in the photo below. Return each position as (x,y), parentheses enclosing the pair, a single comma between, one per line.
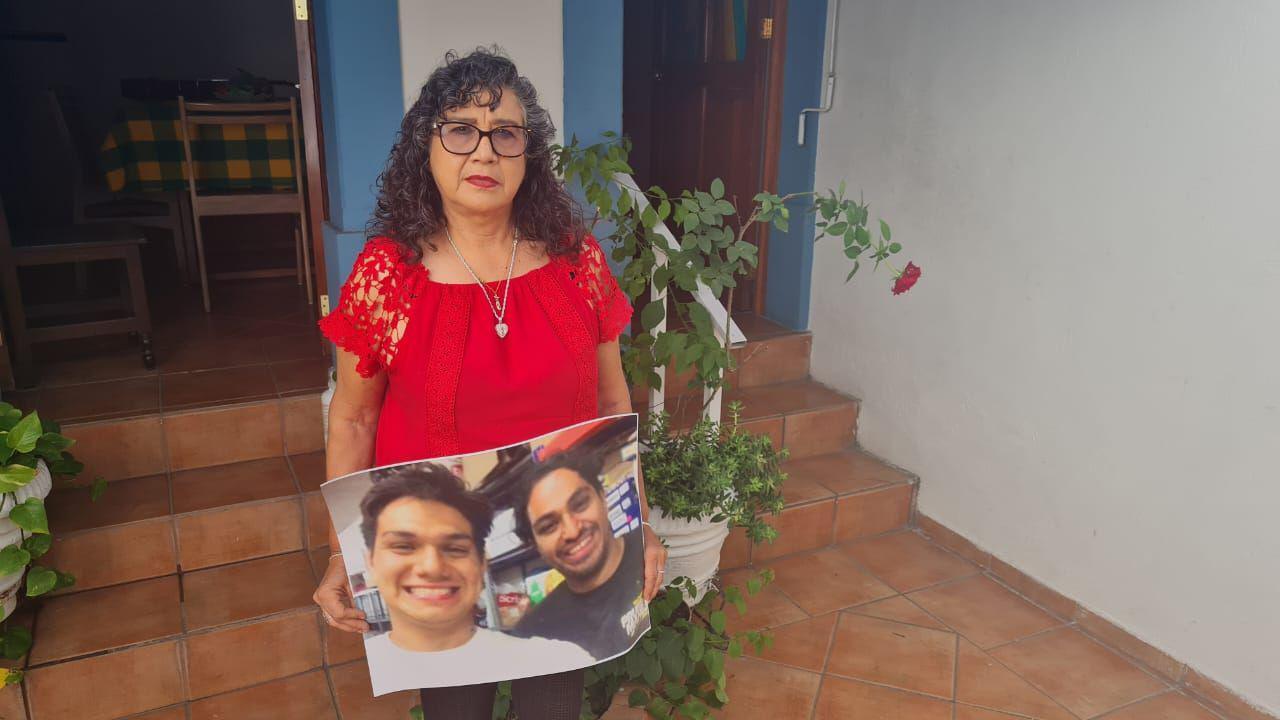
(299,376)
(112,399)
(899,609)
(317,519)
(872,512)
(154,681)
(759,689)
(844,472)
(968,712)
(940,534)
(221,661)
(118,364)
(756,327)
(223,485)
(12,705)
(303,424)
(1120,639)
(243,532)
(781,359)
(983,611)
(216,387)
(980,680)
(784,398)
(123,501)
(802,644)
(1034,590)
(843,699)
(121,554)
(341,646)
(249,589)
(98,620)
(308,468)
(905,561)
(805,527)
(355,695)
(907,657)
(1169,706)
(295,346)
(118,449)
(736,552)
(1085,677)
(173,712)
(826,580)
(301,696)
(828,430)
(768,608)
(797,490)
(768,427)
(1223,697)
(200,438)
(193,354)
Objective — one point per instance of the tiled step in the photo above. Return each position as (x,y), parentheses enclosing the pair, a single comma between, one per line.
(803,416)
(780,357)
(830,498)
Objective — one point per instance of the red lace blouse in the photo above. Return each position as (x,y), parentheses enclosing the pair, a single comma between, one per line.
(454,386)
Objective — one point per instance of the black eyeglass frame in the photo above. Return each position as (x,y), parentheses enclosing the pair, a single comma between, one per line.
(437,126)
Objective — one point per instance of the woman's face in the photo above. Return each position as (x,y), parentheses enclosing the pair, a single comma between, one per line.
(482,181)
(426,565)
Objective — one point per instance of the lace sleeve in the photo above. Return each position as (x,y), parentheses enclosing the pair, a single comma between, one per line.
(371,317)
(595,280)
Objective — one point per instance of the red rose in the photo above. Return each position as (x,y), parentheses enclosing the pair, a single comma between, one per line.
(908,277)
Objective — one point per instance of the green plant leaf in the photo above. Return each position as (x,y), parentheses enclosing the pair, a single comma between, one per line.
(13,559)
(718,621)
(66,466)
(23,436)
(637,698)
(895,247)
(52,444)
(652,315)
(98,488)
(415,712)
(65,580)
(30,516)
(884,231)
(9,416)
(717,188)
(14,476)
(37,545)
(40,580)
(17,641)
(6,452)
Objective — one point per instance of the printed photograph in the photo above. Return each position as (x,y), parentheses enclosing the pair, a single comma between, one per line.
(518,561)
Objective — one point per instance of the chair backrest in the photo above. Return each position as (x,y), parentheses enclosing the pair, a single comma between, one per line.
(257,113)
(54,174)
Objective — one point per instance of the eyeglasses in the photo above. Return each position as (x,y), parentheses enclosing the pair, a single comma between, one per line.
(462,138)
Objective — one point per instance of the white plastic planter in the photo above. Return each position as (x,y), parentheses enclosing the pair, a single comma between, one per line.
(39,487)
(11,534)
(693,548)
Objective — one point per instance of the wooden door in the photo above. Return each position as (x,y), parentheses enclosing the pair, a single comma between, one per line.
(313,141)
(708,105)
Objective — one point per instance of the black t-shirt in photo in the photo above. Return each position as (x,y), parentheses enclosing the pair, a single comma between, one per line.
(605,621)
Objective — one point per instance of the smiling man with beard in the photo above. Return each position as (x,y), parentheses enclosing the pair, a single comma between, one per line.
(425,534)
(600,605)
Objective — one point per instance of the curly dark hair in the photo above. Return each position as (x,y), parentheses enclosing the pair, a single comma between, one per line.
(409,208)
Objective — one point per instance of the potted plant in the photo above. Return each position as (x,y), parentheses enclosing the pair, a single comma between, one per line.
(702,482)
(32,452)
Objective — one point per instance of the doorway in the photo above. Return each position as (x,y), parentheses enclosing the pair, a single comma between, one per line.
(702,98)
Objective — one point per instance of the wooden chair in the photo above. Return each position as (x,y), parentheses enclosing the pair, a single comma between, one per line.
(194,115)
(65,173)
(72,244)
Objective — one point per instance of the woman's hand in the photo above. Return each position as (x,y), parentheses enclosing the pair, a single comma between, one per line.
(655,562)
(334,598)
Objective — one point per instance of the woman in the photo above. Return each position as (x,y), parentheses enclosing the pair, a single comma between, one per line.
(479,315)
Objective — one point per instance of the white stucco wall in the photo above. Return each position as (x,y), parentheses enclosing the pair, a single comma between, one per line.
(530,31)
(1087,377)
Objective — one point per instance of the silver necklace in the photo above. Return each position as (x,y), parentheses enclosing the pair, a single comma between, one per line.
(497,306)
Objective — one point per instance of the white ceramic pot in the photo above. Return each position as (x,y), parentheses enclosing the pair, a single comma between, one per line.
(10,584)
(325,398)
(39,487)
(693,548)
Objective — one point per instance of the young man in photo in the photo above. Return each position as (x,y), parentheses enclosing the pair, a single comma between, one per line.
(425,534)
(600,605)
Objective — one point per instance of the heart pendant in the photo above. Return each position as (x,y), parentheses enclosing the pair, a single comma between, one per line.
(501,329)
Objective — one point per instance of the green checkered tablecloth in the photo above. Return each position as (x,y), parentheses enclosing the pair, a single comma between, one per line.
(143,153)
